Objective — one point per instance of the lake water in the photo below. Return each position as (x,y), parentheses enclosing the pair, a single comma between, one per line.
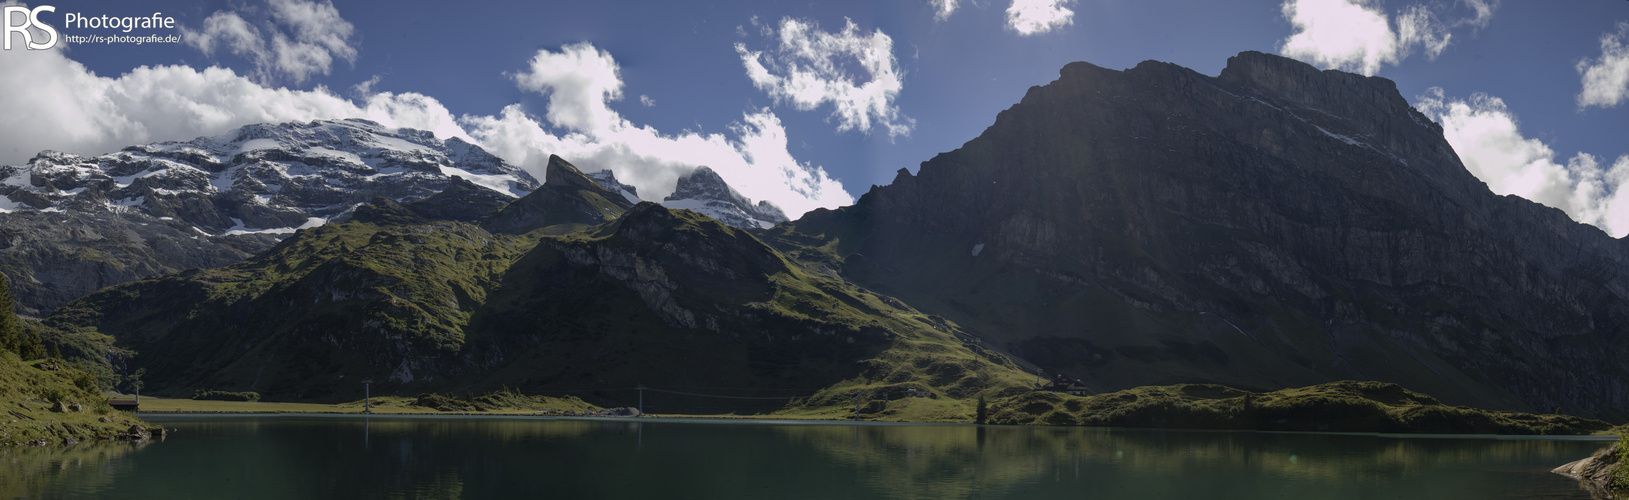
(351,457)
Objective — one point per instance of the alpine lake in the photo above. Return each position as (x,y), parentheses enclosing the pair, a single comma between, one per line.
(359,457)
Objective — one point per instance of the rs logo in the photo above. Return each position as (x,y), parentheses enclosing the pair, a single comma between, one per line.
(31,19)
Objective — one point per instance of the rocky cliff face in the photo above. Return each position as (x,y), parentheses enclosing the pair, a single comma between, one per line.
(73,224)
(608,180)
(704,192)
(1272,226)
(567,201)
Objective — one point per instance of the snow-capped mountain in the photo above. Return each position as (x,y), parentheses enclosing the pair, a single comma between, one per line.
(703,191)
(608,180)
(259,178)
(72,224)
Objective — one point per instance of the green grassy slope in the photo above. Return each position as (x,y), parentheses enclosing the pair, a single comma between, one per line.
(668,299)
(1346,406)
(47,402)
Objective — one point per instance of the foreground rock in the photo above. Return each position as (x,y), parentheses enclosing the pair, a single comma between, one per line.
(1599,472)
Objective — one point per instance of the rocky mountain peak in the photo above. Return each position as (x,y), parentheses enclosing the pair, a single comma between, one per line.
(1303,84)
(561,174)
(704,191)
(608,180)
(1275,225)
(567,200)
(161,207)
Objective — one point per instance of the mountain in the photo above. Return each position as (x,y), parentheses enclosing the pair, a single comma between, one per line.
(703,191)
(668,298)
(567,201)
(74,224)
(608,180)
(1273,226)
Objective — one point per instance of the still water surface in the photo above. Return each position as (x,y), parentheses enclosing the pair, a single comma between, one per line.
(495,457)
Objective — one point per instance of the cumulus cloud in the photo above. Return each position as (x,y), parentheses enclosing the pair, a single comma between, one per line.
(943,8)
(81,112)
(1606,79)
(1482,12)
(300,39)
(809,68)
(1359,36)
(580,81)
(1485,134)
(1033,17)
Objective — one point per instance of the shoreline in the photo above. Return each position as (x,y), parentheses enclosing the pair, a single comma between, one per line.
(704,419)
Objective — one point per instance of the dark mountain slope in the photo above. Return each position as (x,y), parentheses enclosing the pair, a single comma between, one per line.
(660,297)
(1274,226)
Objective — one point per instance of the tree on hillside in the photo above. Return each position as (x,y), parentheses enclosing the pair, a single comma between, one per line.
(13,337)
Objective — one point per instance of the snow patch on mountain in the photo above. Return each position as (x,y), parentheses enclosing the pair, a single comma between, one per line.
(273,177)
(608,180)
(704,192)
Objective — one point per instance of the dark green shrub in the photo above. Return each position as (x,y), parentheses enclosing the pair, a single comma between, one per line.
(438,402)
(214,395)
(1620,474)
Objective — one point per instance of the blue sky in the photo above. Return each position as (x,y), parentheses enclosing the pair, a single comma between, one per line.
(653,89)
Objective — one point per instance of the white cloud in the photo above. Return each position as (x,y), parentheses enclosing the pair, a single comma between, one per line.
(1032,17)
(1358,35)
(81,112)
(1485,134)
(1418,26)
(1483,10)
(810,67)
(1606,79)
(580,80)
(646,101)
(301,39)
(943,8)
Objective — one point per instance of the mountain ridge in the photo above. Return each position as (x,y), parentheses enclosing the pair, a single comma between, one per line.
(704,191)
(1274,226)
(211,201)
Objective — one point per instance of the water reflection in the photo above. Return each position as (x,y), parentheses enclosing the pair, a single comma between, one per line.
(996,462)
(29,472)
(484,457)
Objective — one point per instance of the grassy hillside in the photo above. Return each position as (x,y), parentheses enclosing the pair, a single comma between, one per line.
(324,303)
(668,299)
(48,401)
(1346,406)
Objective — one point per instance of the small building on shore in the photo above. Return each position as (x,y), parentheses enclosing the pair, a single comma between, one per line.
(1066,385)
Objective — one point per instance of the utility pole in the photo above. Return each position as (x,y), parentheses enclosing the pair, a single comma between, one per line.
(641,400)
(367,396)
